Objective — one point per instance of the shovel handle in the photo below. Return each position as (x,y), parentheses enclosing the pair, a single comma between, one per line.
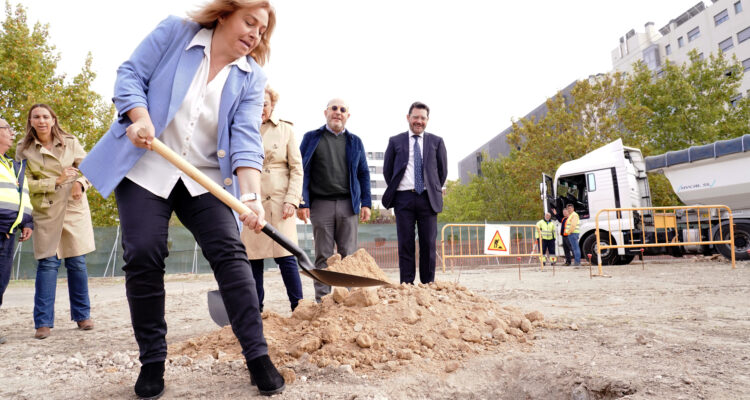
(227,198)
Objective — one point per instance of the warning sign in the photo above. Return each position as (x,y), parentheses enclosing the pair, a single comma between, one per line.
(497,243)
(496,238)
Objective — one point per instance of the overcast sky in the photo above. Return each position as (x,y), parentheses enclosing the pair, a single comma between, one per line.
(476,63)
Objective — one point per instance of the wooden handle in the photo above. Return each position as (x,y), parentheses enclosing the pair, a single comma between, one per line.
(227,198)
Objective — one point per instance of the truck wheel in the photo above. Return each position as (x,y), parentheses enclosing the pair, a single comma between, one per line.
(609,256)
(624,259)
(741,242)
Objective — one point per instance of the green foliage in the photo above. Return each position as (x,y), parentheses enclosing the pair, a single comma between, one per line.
(27,77)
(684,106)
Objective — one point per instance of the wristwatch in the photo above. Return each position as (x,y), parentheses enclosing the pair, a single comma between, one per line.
(249,197)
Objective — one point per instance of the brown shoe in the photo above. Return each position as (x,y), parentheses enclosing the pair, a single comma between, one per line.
(86,325)
(42,333)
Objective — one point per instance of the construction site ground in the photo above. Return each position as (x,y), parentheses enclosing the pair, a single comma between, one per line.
(677,330)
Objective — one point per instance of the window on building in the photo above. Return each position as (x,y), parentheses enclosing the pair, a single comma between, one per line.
(721,17)
(700,56)
(743,35)
(693,34)
(737,7)
(746,64)
(668,49)
(680,41)
(372,169)
(726,44)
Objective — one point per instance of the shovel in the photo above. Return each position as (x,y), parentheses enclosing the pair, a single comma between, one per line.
(215,303)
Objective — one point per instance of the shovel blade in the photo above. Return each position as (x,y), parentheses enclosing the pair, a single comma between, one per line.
(333,278)
(216,308)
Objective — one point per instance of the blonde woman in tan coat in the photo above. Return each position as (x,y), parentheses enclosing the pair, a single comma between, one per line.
(281,185)
(61,215)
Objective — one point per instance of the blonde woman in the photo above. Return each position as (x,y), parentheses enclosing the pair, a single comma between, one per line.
(196,84)
(61,215)
(281,184)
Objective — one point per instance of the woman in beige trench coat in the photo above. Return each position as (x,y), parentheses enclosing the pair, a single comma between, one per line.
(281,185)
(61,215)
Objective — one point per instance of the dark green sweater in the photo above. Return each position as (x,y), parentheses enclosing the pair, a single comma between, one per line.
(329,175)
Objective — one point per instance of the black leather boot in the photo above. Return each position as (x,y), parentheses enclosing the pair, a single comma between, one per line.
(150,383)
(265,375)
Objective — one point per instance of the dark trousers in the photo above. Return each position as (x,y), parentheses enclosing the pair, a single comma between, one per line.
(145,218)
(410,209)
(548,247)
(289,274)
(567,250)
(6,261)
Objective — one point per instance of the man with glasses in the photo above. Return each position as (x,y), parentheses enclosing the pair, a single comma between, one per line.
(15,207)
(415,168)
(335,187)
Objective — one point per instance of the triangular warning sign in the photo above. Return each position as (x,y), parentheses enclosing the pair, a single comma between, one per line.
(497,243)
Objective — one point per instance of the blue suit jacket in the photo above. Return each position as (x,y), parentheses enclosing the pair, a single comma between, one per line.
(356,159)
(434,165)
(157,76)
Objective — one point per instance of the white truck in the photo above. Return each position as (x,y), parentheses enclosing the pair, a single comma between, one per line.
(614,176)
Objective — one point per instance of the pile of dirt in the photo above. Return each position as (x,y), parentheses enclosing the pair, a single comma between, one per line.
(382,328)
(360,263)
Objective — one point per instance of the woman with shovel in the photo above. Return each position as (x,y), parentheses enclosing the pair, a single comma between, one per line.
(196,84)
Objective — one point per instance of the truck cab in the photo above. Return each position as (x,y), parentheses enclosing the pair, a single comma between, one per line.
(613,176)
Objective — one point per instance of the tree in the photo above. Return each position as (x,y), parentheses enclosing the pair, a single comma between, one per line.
(685,105)
(27,76)
(690,104)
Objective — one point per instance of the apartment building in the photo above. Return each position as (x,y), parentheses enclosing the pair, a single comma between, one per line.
(377,181)
(724,25)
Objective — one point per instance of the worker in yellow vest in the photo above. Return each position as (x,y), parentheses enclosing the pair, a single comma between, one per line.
(572,229)
(15,207)
(547,241)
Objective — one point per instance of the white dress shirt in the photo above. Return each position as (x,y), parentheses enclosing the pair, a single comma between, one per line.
(193,133)
(407,182)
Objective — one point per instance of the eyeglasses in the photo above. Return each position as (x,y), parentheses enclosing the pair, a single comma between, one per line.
(5,127)
(338,108)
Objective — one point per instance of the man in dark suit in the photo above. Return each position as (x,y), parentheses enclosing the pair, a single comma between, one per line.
(415,168)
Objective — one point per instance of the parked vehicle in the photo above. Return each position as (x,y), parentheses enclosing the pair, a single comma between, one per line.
(614,176)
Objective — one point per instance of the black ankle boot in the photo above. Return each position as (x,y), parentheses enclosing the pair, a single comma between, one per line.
(265,375)
(150,383)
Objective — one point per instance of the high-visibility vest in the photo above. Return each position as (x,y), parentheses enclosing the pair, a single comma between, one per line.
(14,202)
(547,228)
(573,224)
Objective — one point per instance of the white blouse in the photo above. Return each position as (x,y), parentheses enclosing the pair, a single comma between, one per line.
(193,133)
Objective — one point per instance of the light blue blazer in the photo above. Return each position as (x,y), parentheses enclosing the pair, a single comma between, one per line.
(157,76)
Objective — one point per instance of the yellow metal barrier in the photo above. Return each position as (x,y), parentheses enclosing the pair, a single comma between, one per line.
(664,220)
(523,243)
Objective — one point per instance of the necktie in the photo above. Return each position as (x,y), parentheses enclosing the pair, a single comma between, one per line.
(418,174)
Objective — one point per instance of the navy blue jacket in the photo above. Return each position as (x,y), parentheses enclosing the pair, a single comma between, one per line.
(356,159)
(434,164)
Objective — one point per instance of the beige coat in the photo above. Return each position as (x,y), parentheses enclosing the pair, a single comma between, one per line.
(281,182)
(62,226)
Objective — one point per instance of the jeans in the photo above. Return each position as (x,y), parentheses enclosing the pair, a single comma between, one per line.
(289,274)
(6,261)
(573,239)
(46,287)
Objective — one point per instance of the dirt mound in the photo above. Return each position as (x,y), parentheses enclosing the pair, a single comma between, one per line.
(382,328)
(360,263)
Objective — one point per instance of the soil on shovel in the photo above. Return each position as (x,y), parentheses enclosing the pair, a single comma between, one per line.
(378,330)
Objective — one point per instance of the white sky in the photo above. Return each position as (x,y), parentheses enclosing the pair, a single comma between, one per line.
(476,63)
